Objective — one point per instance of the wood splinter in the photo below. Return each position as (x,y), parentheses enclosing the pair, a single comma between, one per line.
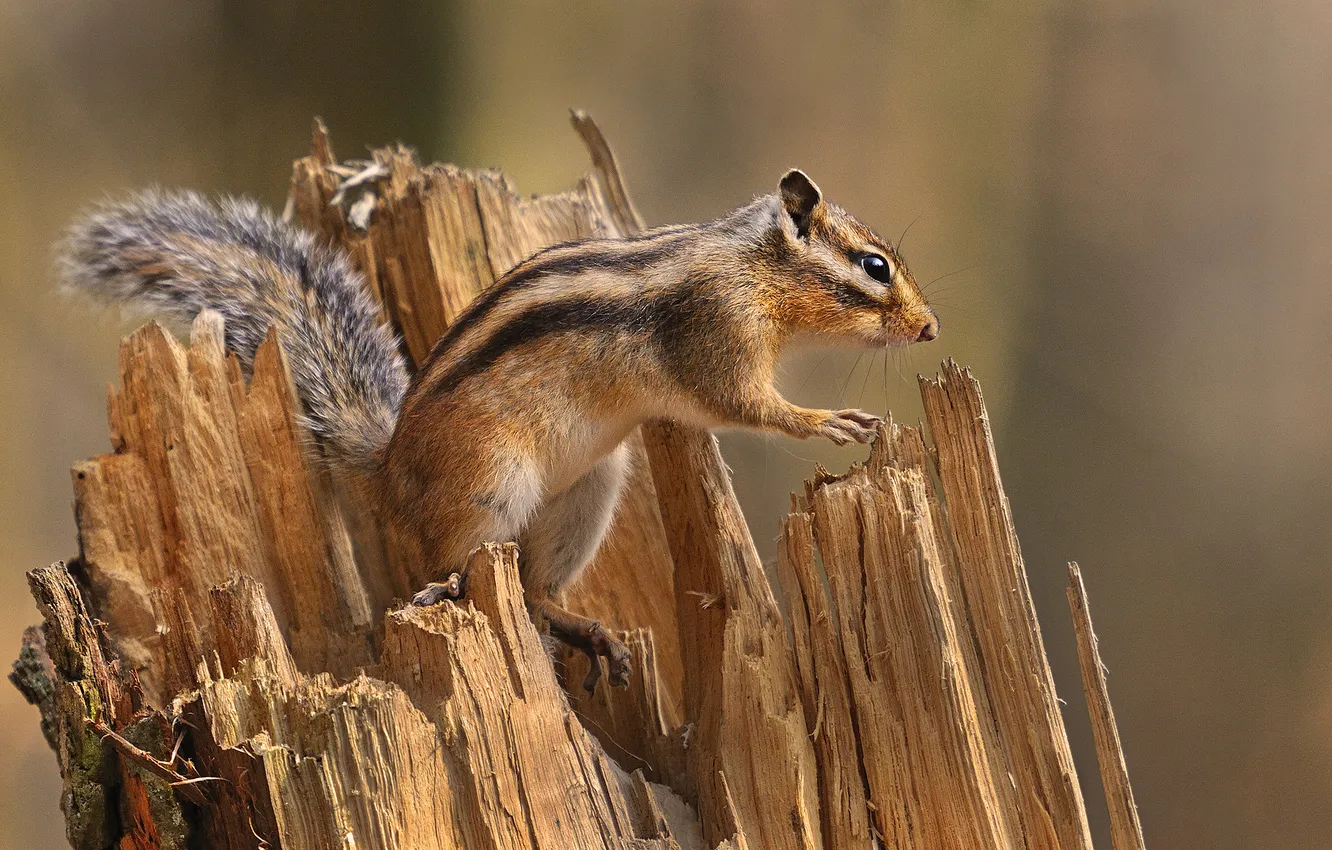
(186,785)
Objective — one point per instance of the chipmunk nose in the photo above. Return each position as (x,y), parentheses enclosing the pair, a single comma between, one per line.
(930,330)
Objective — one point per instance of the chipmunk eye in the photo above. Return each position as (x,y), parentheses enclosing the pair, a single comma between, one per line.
(877,267)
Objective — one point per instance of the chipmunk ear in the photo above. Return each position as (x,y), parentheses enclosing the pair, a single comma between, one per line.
(800,197)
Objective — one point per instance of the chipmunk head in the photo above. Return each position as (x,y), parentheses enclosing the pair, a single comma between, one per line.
(853,287)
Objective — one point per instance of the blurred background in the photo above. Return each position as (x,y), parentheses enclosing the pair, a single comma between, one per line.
(1127,205)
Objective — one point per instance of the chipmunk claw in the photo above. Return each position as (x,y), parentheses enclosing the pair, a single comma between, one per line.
(437,591)
(593,640)
(596,643)
(617,657)
(587,636)
(844,427)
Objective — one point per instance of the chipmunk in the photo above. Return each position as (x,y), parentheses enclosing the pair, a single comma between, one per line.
(514,426)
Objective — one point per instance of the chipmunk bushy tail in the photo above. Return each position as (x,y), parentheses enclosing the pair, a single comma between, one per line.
(173,254)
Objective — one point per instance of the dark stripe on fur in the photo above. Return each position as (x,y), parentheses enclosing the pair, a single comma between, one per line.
(576,258)
(566,259)
(475,312)
(679,325)
(854,299)
(542,320)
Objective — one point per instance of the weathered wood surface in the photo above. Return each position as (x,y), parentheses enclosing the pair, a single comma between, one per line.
(226,665)
(993,582)
(1125,829)
(464,739)
(210,481)
(749,733)
(919,659)
(885,669)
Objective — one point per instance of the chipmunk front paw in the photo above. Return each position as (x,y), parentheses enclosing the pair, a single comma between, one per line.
(437,591)
(846,426)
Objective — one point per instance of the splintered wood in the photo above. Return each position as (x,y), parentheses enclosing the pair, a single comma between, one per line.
(918,654)
(466,741)
(750,759)
(226,664)
(210,481)
(1125,829)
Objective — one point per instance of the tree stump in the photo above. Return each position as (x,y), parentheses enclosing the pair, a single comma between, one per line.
(228,662)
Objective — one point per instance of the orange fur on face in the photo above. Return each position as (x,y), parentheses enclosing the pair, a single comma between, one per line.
(839,303)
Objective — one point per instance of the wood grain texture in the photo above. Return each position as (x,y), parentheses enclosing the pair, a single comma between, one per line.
(464,740)
(1125,828)
(993,580)
(104,799)
(211,480)
(885,668)
(750,759)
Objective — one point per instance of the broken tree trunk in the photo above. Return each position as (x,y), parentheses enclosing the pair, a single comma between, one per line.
(228,663)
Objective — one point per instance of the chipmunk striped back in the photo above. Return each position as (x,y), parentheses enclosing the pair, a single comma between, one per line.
(173,254)
(691,300)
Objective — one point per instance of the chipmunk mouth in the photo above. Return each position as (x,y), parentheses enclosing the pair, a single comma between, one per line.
(926,331)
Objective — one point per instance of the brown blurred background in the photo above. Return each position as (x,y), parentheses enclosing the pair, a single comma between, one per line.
(1130,204)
